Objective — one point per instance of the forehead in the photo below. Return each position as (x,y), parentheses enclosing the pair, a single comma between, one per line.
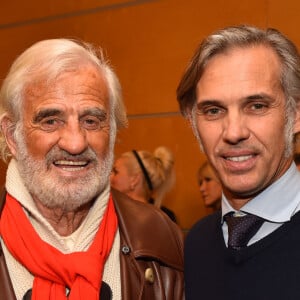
(243,68)
(86,85)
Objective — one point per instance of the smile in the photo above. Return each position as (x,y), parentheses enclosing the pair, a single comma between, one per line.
(239,158)
(71,165)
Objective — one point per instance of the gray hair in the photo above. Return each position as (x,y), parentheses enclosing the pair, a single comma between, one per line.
(45,60)
(241,36)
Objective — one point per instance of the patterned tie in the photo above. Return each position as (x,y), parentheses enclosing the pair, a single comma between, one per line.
(241,229)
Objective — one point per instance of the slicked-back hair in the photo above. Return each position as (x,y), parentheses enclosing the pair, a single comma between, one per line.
(242,37)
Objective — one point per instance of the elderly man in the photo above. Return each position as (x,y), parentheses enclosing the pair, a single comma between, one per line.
(64,233)
(241,93)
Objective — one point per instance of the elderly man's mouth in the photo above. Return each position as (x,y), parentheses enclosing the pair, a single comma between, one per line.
(70,165)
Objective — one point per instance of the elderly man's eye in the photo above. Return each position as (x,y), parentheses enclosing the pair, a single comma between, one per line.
(50,124)
(258,106)
(92,123)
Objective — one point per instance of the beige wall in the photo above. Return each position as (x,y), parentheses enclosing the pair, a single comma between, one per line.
(149,44)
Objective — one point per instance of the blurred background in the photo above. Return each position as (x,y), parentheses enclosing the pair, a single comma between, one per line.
(149,44)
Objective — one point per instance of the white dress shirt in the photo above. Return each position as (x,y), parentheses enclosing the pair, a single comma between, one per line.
(276,204)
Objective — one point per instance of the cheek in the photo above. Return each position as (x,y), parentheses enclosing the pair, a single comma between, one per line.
(118,182)
(215,186)
(215,194)
(99,143)
(209,187)
(270,127)
(208,135)
(38,145)
(271,136)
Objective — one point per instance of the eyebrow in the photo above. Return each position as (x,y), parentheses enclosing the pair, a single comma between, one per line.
(95,111)
(46,113)
(50,112)
(208,103)
(214,102)
(259,96)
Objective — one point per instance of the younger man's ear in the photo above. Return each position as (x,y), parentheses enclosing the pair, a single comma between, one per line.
(7,128)
(297,120)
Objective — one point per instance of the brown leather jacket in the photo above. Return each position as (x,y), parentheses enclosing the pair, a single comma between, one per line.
(151,254)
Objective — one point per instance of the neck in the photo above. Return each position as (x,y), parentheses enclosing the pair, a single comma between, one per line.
(141,199)
(63,222)
(137,195)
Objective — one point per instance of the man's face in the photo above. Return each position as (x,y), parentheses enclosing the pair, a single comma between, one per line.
(240,120)
(64,149)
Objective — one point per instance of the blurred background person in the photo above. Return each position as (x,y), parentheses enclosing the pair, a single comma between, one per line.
(145,176)
(209,187)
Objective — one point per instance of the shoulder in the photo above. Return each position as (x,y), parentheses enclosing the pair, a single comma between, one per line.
(148,229)
(141,213)
(204,227)
(169,212)
(207,221)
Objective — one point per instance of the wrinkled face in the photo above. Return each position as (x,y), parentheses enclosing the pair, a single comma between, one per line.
(64,147)
(240,120)
(211,190)
(120,178)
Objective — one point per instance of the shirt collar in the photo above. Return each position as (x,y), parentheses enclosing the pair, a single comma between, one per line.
(278,202)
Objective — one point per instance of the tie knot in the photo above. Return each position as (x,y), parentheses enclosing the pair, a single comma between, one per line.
(241,229)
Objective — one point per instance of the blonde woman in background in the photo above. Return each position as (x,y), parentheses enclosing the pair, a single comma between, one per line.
(145,176)
(209,187)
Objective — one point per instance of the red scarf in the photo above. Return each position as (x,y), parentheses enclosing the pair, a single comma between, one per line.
(53,271)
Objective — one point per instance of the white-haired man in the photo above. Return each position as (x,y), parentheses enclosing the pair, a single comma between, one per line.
(64,233)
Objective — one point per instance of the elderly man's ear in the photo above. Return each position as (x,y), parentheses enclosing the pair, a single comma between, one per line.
(7,127)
